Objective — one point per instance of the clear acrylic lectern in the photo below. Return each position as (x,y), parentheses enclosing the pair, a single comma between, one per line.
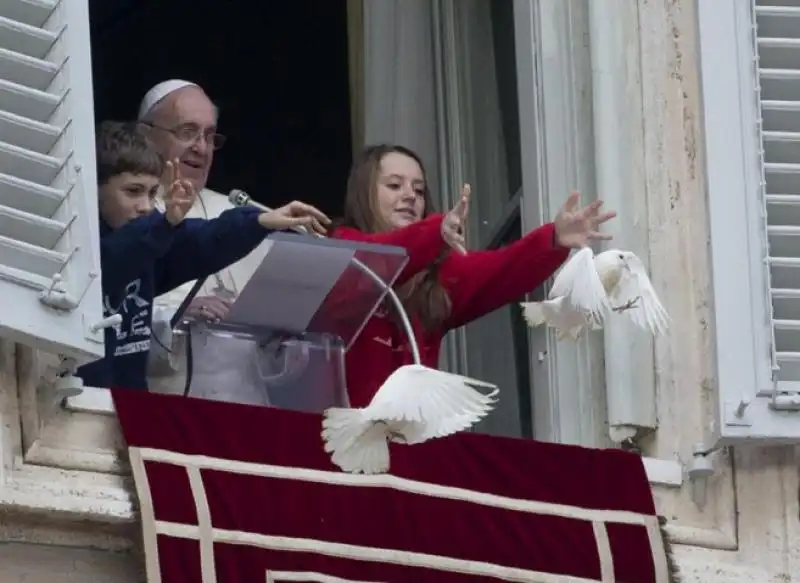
(287,332)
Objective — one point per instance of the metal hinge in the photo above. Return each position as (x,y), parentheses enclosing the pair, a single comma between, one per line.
(785,401)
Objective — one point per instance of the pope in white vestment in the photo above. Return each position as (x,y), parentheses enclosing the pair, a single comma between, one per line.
(183,124)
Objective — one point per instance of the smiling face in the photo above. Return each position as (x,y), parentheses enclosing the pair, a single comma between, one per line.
(128,172)
(399,191)
(184,126)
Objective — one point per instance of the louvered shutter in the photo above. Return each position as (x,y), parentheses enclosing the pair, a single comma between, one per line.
(778,50)
(50,293)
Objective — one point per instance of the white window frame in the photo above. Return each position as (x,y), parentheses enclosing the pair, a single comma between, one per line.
(553,71)
(557,150)
(742,307)
(62,461)
(556,117)
(568,381)
(27,318)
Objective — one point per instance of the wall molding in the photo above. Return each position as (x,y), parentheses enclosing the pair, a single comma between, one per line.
(665,473)
(64,477)
(91,400)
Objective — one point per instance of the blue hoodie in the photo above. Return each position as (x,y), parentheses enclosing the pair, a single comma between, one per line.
(148,257)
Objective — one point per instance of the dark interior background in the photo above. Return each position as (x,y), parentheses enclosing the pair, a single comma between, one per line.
(278,71)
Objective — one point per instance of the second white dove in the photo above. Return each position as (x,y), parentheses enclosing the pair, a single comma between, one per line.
(590,288)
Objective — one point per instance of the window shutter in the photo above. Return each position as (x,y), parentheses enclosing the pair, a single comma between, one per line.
(778,49)
(50,292)
(749,56)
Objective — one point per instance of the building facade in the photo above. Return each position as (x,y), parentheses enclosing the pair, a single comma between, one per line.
(678,113)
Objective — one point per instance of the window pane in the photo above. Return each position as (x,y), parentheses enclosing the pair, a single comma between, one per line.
(505,58)
(497,344)
(498,352)
(488,112)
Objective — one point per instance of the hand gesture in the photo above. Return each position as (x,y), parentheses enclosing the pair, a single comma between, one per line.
(576,227)
(293,215)
(179,194)
(454,222)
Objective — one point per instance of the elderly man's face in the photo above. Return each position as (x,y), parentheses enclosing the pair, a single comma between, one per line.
(185,128)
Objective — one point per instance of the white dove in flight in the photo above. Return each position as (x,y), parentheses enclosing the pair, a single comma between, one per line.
(415,404)
(588,287)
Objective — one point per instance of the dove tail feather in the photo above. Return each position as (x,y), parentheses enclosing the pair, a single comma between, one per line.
(371,457)
(345,434)
(533,312)
(341,427)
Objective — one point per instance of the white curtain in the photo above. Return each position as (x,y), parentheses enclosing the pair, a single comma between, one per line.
(399,82)
(483,143)
(355,50)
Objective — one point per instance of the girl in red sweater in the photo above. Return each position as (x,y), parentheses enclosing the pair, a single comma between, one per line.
(442,286)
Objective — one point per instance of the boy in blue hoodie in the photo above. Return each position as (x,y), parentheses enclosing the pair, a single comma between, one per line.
(145,253)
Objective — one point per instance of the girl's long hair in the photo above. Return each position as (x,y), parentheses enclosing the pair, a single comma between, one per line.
(423,295)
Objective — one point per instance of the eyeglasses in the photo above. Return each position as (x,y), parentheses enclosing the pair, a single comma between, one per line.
(189,133)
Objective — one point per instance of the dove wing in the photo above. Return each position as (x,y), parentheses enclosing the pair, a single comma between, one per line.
(648,313)
(579,282)
(431,403)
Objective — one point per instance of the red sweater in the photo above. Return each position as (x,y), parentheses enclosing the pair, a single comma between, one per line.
(477,283)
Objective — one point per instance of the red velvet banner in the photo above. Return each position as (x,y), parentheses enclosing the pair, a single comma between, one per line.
(232,494)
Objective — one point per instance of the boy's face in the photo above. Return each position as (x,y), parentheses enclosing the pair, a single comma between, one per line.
(127,196)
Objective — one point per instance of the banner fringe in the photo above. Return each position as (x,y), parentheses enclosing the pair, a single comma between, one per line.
(672,565)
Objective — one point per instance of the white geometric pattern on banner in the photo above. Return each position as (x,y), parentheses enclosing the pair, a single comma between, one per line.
(208,535)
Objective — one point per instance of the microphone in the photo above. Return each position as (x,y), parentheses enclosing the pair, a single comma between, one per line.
(239,197)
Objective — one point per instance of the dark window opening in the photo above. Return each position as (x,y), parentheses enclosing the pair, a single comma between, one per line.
(278,72)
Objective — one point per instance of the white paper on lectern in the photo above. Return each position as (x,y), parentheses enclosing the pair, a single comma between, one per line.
(289,286)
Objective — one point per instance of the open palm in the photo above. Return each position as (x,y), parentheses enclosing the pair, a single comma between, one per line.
(577,227)
(295,215)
